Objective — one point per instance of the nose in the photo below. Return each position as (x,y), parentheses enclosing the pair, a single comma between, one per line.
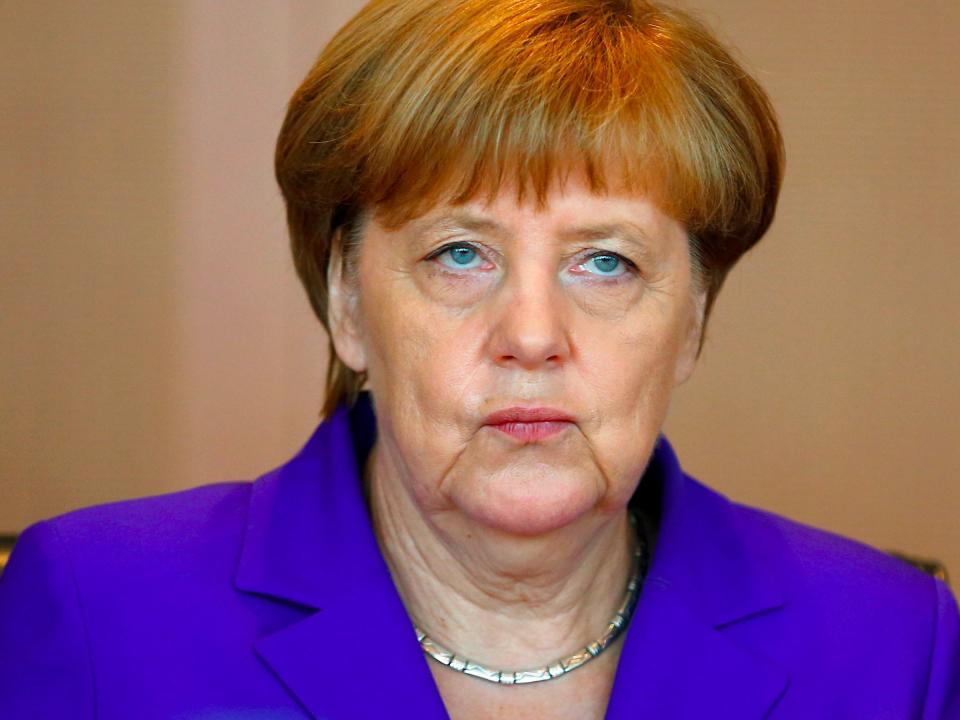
(531,327)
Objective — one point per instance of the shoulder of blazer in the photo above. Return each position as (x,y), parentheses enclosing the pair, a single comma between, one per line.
(158,534)
(818,558)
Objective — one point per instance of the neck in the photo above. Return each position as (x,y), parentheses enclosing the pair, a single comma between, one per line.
(506,601)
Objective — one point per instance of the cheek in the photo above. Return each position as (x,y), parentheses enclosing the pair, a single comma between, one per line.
(628,371)
(422,361)
(422,364)
(418,340)
(633,356)
(410,342)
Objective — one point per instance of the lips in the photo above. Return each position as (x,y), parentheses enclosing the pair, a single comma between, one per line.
(527,415)
(530,423)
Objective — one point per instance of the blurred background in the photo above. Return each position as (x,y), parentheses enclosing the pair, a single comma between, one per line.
(154,336)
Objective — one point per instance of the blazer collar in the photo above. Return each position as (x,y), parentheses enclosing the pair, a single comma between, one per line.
(351,650)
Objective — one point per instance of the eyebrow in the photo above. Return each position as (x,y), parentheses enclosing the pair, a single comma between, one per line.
(623,230)
(460,220)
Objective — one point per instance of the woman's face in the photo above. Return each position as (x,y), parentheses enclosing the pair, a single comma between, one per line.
(586,306)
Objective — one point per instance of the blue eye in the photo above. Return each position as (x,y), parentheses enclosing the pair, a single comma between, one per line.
(461,255)
(607,264)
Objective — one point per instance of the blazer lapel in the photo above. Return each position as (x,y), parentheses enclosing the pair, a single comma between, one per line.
(708,573)
(350,651)
(356,659)
(675,665)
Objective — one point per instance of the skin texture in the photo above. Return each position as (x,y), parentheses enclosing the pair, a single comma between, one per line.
(515,553)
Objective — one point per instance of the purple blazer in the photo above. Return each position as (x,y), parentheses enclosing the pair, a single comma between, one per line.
(271,599)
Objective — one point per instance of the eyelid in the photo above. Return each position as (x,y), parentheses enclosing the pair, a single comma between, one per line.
(611,253)
(480,249)
(451,245)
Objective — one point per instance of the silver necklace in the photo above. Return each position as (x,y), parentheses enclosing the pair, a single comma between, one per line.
(564,665)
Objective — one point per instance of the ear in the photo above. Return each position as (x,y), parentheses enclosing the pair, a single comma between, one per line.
(687,359)
(343,310)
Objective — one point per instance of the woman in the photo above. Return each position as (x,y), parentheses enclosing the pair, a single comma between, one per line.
(513,217)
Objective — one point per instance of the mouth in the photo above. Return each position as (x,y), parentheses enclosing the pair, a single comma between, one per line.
(529,424)
(532,431)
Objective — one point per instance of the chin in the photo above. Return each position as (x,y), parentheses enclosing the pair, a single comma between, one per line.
(527,503)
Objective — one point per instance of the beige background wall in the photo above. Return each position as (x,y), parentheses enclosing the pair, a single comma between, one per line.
(153,335)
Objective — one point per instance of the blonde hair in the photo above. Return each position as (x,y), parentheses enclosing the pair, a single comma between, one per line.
(416,102)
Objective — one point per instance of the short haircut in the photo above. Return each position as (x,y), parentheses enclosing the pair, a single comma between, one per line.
(416,102)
